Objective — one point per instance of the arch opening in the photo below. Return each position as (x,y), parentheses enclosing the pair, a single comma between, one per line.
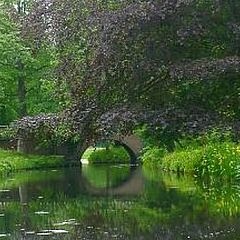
(109,151)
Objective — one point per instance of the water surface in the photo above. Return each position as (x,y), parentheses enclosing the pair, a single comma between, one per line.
(116,202)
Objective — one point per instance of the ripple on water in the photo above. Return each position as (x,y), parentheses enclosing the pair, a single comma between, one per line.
(3,235)
(41,213)
(66,222)
(51,232)
(4,190)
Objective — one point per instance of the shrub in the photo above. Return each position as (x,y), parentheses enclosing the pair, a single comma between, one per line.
(112,155)
(182,161)
(220,160)
(212,160)
(153,156)
(7,133)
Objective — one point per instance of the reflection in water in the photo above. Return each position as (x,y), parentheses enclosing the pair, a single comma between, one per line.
(113,180)
(116,202)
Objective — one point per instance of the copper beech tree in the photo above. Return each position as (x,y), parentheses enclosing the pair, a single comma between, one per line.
(161,62)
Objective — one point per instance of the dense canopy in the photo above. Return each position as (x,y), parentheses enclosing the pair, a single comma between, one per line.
(170,64)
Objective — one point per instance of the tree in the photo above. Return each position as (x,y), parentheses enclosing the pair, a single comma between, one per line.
(161,56)
(11,50)
(27,82)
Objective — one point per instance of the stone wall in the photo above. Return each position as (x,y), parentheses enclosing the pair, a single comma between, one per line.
(29,146)
(8,144)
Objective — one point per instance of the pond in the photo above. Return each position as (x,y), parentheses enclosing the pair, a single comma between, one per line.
(116,202)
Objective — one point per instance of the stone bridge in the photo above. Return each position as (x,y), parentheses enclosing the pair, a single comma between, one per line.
(131,143)
(29,128)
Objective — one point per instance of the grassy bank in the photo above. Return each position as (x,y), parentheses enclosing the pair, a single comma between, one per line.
(103,155)
(12,161)
(218,159)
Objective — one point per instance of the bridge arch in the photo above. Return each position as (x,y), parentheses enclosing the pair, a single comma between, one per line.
(131,143)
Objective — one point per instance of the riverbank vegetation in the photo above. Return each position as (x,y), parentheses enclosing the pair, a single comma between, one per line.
(211,155)
(12,161)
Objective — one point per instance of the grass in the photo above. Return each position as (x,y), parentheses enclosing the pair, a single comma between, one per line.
(89,151)
(212,160)
(183,161)
(111,155)
(11,161)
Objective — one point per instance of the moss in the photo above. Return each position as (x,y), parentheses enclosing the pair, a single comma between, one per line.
(11,161)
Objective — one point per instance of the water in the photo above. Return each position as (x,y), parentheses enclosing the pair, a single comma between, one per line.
(116,202)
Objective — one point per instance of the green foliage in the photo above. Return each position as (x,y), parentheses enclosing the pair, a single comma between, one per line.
(11,49)
(12,161)
(88,153)
(220,160)
(111,155)
(165,138)
(153,155)
(213,160)
(147,138)
(27,85)
(211,155)
(135,69)
(7,114)
(182,161)
(7,133)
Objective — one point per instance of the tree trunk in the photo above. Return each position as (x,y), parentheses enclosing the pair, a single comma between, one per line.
(22,90)
(21,9)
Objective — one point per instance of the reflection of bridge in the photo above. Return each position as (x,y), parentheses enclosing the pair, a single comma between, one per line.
(132,185)
(74,183)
